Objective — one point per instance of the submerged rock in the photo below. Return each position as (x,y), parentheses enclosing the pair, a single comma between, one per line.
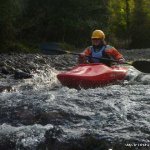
(19,74)
(4,70)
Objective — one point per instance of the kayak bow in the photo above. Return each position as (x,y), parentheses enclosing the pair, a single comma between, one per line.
(92,75)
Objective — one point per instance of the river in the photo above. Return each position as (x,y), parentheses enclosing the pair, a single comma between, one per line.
(39,113)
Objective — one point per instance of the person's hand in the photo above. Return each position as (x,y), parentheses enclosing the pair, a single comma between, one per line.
(82,55)
(121,61)
(82,58)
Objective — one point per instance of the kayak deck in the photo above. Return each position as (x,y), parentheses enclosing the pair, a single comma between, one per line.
(92,75)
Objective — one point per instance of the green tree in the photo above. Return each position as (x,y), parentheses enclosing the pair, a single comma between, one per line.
(140,24)
(9,11)
(119,21)
(68,21)
(125,22)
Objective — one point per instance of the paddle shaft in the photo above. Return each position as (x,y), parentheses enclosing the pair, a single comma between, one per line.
(107,59)
(141,65)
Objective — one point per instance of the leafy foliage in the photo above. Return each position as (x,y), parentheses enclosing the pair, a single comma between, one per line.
(125,22)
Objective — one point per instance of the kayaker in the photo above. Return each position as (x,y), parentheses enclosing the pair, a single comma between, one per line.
(100,49)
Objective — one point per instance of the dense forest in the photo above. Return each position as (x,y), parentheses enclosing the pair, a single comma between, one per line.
(27,23)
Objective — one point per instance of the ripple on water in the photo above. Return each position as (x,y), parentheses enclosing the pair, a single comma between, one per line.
(113,112)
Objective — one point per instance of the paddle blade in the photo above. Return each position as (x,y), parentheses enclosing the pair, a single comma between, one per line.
(51,49)
(142,65)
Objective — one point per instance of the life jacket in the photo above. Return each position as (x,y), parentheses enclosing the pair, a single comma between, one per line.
(100,53)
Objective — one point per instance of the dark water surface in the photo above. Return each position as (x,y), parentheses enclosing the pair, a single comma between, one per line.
(40,114)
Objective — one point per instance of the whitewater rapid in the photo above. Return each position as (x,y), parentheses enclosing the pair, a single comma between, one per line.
(40,113)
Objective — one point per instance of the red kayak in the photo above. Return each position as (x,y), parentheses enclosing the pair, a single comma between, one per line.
(92,75)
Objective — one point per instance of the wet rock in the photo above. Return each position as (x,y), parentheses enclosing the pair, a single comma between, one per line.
(7,144)
(2,76)
(19,74)
(5,70)
(31,66)
(53,138)
(22,138)
(40,61)
(6,88)
(2,63)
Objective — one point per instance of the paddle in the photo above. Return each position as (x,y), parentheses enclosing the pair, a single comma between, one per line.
(141,65)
